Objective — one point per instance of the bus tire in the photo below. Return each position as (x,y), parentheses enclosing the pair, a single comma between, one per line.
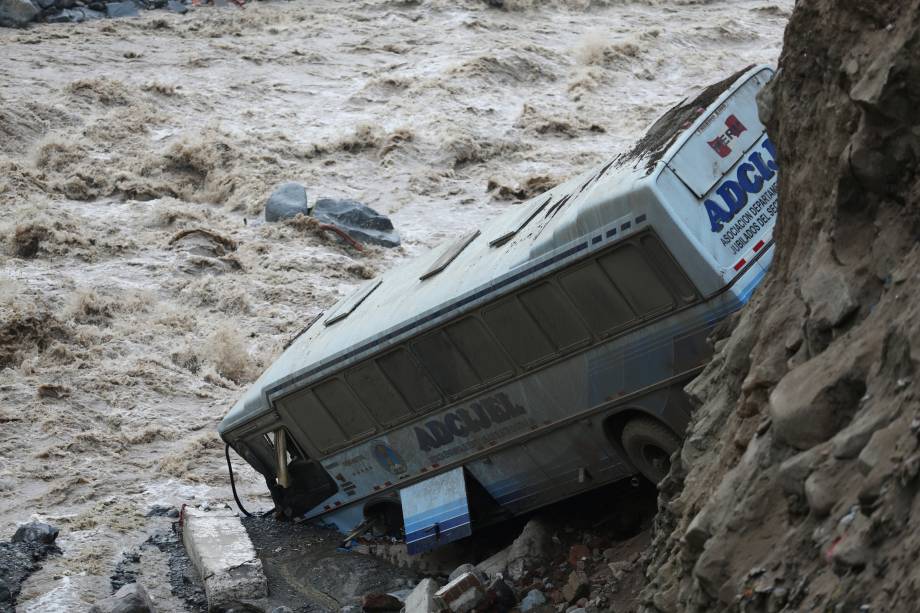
(649,445)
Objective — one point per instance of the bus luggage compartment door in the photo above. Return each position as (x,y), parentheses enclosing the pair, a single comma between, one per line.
(436,511)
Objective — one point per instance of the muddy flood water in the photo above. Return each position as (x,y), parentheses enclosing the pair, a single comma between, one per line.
(121,348)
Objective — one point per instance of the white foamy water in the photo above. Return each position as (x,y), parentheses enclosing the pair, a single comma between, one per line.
(120,352)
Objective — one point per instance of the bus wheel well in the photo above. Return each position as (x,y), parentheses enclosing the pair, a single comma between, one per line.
(385,516)
(613,425)
(645,440)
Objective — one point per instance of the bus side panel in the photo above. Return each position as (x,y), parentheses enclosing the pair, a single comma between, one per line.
(599,376)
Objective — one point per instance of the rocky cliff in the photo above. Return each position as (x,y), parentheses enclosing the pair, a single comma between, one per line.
(796,487)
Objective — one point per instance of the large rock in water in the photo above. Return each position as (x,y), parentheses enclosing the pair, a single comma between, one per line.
(287,201)
(75,15)
(17,13)
(121,9)
(360,221)
(36,533)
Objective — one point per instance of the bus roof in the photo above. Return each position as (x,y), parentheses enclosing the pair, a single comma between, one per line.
(534,231)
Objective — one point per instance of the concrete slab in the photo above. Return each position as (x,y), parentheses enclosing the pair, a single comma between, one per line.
(220,549)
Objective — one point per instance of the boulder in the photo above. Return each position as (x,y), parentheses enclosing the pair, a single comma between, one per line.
(815,400)
(794,471)
(75,15)
(422,600)
(463,594)
(361,222)
(121,9)
(287,201)
(45,4)
(131,598)
(176,7)
(821,493)
(849,442)
(36,533)
(529,550)
(17,13)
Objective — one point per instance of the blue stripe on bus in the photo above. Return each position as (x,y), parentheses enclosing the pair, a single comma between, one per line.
(437,514)
(433,540)
(444,527)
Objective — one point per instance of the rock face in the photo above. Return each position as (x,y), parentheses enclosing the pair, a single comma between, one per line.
(17,13)
(797,485)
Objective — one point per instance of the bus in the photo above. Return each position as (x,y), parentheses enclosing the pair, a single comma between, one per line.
(535,358)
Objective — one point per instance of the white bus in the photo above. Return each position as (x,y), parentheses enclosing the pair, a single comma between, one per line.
(535,358)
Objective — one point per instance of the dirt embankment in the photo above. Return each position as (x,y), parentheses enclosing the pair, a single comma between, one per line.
(796,487)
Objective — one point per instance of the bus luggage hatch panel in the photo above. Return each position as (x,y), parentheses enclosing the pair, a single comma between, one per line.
(436,511)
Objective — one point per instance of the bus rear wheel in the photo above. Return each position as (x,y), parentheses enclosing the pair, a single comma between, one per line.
(649,445)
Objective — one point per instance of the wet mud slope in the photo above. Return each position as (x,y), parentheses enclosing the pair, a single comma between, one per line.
(797,486)
(125,333)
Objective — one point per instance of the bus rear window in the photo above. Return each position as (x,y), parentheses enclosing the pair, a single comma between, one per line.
(377,394)
(411,381)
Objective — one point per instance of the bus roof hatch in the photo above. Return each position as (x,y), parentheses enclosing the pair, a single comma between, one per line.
(450,254)
(351,303)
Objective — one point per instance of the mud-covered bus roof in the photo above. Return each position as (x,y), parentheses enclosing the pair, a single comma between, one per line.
(423,292)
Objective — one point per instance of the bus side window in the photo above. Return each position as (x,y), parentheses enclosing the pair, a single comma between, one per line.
(555,315)
(517,332)
(344,408)
(638,281)
(377,394)
(470,337)
(596,298)
(319,426)
(447,366)
(675,277)
(409,380)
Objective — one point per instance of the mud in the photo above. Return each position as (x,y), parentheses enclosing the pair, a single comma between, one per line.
(120,351)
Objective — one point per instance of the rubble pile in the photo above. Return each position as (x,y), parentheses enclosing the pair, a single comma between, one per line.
(546,569)
(19,13)
(796,488)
